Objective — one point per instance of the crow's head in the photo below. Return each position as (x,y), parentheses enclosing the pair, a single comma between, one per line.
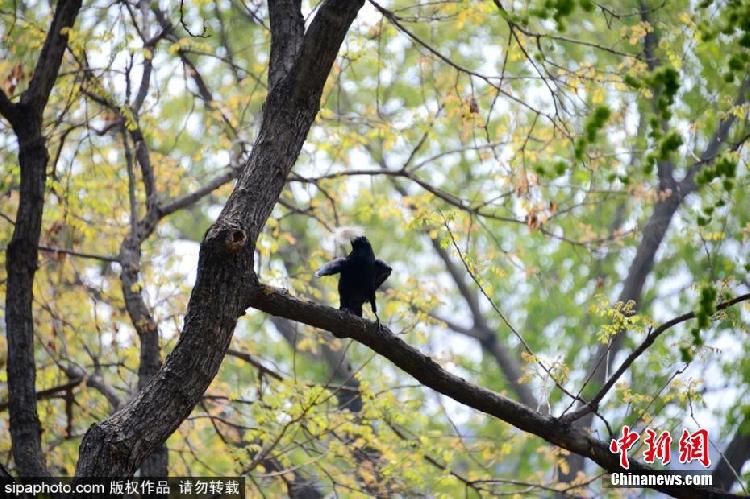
(360,245)
(360,242)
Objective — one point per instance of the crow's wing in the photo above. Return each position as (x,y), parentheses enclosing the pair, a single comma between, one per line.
(332,267)
(382,271)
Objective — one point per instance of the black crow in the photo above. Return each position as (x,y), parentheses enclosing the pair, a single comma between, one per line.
(361,275)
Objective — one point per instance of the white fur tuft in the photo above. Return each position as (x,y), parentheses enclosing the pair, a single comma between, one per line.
(346,233)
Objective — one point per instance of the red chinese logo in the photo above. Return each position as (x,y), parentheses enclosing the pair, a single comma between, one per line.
(693,446)
(657,447)
(622,445)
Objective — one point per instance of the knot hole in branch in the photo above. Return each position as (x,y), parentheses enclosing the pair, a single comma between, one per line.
(236,240)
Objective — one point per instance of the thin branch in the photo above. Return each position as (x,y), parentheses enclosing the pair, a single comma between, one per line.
(48,393)
(687,185)
(505,320)
(647,342)
(394,20)
(80,254)
(734,457)
(255,363)
(559,38)
(186,200)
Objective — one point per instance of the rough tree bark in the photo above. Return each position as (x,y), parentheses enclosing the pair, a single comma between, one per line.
(25,117)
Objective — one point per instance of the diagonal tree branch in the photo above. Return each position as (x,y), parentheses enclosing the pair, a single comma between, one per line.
(80,254)
(288,28)
(48,64)
(429,373)
(485,335)
(189,199)
(225,278)
(644,345)
(687,184)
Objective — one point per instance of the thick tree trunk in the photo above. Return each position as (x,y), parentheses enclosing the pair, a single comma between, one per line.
(21,259)
(21,264)
(225,280)
(225,277)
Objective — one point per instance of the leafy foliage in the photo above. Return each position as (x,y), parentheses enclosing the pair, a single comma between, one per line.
(504,157)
